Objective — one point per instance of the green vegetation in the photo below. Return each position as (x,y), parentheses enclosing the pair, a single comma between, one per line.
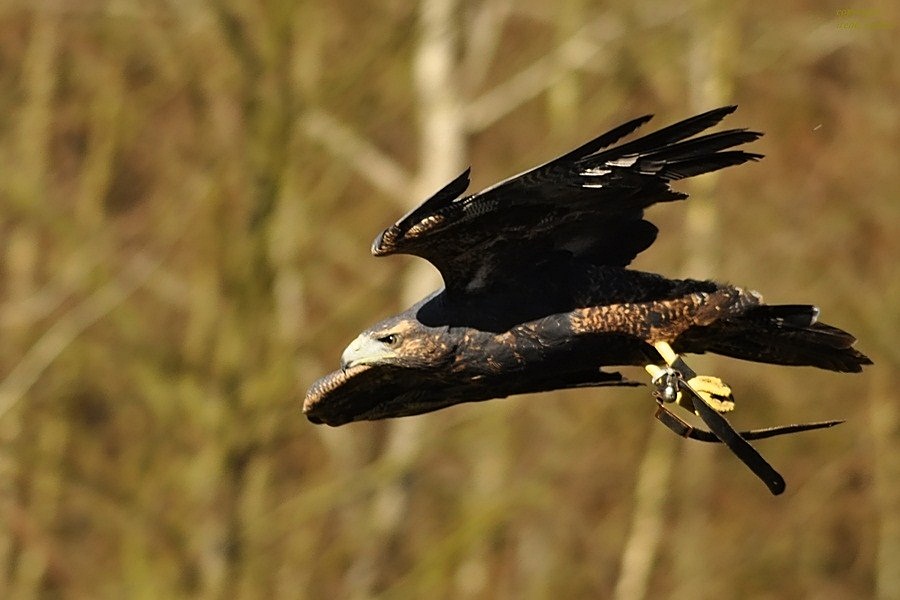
(187,197)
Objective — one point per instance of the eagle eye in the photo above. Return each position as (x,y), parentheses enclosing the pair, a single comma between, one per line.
(391,339)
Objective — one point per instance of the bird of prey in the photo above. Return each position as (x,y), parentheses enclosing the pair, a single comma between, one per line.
(537,295)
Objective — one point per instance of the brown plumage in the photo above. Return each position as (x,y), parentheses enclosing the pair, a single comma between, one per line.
(536,295)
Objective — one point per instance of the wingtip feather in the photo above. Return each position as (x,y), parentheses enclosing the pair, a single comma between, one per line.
(386,241)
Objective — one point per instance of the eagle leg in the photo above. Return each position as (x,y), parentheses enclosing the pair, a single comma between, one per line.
(712,390)
(677,376)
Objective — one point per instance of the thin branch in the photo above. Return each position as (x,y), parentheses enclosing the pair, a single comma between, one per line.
(63,332)
(59,336)
(484,31)
(884,421)
(383,172)
(581,49)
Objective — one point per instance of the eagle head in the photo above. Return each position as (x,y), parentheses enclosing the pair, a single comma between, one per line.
(399,341)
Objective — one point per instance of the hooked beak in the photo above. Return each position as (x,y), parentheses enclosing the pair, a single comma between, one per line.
(365,350)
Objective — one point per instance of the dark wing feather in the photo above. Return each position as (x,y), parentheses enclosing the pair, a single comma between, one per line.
(587,204)
(367,393)
(786,334)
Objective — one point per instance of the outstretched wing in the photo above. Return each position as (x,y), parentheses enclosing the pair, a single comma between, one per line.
(368,393)
(587,204)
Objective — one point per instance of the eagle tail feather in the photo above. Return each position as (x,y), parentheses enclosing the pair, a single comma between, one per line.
(784,335)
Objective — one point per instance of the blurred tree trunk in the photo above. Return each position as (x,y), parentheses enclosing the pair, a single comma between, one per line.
(564,97)
(447,118)
(885,426)
(648,516)
(25,507)
(442,149)
(712,45)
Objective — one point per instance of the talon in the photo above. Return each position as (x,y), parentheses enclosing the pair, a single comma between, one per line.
(715,392)
(712,390)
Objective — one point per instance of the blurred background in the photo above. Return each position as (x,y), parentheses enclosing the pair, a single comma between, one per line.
(188,195)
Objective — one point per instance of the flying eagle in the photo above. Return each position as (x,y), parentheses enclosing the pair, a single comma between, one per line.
(537,295)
